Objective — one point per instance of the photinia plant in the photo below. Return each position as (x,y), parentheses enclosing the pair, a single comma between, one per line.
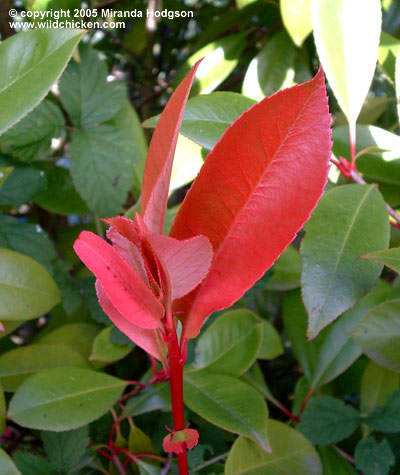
(256,189)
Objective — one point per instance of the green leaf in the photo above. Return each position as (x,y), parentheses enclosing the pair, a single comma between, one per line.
(65,449)
(7,465)
(105,351)
(102,168)
(3,411)
(333,280)
(388,257)
(342,49)
(271,346)
(333,463)
(378,334)
(64,398)
(30,464)
(26,289)
(19,364)
(22,185)
(376,385)
(138,441)
(386,418)
(79,336)
(150,399)
(272,69)
(372,109)
(219,399)
(327,420)
(85,92)
(220,59)
(28,239)
(286,271)
(60,196)
(374,458)
(206,117)
(296,16)
(290,453)
(254,376)
(230,345)
(389,48)
(31,138)
(4,173)
(31,63)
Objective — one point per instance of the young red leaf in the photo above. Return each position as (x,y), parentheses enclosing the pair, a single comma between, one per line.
(256,189)
(157,172)
(125,289)
(179,440)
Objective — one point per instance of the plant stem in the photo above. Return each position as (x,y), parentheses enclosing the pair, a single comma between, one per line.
(176,386)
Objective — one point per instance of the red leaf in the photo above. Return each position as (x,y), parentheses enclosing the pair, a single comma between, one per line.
(255,191)
(149,340)
(179,440)
(157,172)
(125,289)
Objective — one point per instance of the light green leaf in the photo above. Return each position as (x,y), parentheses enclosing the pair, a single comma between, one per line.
(139,441)
(230,345)
(272,69)
(19,364)
(85,92)
(271,346)
(254,376)
(3,411)
(26,289)
(220,59)
(377,383)
(4,173)
(188,160)
(79,336)
(374,458)
(327,420)
(64,398)
(102,168)
(342,49)
(296,16)
(291,453)
(31,63)
(372,109)
(333,280)
(7,465)
(286,271)
(65,449)
(150,399)
(105,351)
(388,257)
(206,117)
(389,48)
(31,138)
(378,334)
(333,463)
(219,399)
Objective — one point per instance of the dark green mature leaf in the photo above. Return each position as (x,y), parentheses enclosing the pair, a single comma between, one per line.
(386,418)
(333,463)
(271,346)
(286,271)
(374,458)
(333,280)
(30,63)
(65,449)
(220,58)
(90,298)
(85,92)
(388,257)
(219,399)
(327,420)
(150,399)
(7,465)
(64,398)
(4,173)
(230,345)
(378,334)
(290,453)
(19,364)
(30,464)
(376,385)
(26,289)
(60,195)
(22,185)
(206,117)
(102,168)
(31,138)
(29,239)
(3,411)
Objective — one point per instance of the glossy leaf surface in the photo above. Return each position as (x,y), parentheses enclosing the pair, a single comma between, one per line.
(105,351)
(332,278)
(245,180)
(64,399)
(291,453)
(30,63)
(342,49)
(296,15)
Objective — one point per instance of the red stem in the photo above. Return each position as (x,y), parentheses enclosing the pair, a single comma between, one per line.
(176,386)
(352,134)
